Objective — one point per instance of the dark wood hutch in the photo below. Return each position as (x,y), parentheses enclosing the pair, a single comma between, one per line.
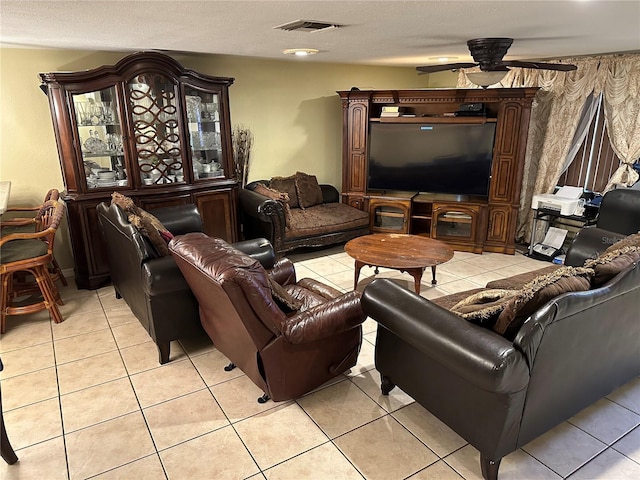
(469,223)
(149,129)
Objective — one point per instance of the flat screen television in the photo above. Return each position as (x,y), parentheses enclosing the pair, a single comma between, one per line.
(434,158)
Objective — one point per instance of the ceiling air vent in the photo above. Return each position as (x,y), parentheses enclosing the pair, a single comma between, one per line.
(306,26)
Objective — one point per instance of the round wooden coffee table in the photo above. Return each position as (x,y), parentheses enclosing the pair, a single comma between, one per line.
(407,253)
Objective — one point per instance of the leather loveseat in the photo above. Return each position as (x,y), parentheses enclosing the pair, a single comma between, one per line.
(293,225)
(500,393)
(152,285)
(287,336)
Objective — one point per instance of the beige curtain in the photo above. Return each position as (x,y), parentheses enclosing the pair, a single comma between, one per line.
(556,113)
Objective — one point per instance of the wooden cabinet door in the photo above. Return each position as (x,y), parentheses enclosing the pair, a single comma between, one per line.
(217,210)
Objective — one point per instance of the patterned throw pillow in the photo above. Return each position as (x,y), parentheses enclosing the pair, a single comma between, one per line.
(282,297)
(632,240)
(611,263)
(286,185)
(538,292)
(308,190)
(281,197)
(483,308)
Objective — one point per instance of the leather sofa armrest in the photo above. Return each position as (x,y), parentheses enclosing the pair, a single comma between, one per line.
(179,219)
(258,248)
(324,320)
(476,354)
(330,194)
(258,206)
(161,276)
(589,243)
(283,272)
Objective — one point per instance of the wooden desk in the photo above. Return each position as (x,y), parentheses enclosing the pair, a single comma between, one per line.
(407,253)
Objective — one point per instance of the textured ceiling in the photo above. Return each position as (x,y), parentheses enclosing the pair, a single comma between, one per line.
(398,33)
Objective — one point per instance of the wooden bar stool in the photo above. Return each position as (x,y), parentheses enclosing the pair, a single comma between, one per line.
(32,253)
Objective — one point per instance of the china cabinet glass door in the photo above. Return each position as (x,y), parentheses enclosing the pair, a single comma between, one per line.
(203,116)
(153,100)
(100,134)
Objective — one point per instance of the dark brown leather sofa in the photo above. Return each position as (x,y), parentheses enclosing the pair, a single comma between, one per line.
(152,286)
(285,352)
(326,224)
(500,394)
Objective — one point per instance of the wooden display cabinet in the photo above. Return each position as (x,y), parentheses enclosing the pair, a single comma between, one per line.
(493,217)
(149,129)
(390,213)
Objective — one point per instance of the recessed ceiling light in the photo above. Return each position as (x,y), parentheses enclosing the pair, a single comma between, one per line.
(300,52)
(442,59)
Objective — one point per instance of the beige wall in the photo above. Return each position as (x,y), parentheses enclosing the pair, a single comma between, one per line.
(290,106)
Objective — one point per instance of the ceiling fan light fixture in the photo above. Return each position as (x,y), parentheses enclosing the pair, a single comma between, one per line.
(484,79)
(300,52)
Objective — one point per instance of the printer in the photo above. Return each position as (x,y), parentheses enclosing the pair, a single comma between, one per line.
(566,201)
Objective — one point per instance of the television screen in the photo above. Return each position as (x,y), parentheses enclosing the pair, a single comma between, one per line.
(433,158)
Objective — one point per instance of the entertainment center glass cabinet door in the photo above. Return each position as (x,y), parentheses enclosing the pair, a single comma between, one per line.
(457,224)
(389,215)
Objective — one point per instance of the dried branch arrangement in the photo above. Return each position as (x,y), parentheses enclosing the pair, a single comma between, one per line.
(242,143)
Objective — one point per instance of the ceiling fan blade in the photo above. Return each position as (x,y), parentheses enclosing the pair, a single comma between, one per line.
(443,67)
(562,67)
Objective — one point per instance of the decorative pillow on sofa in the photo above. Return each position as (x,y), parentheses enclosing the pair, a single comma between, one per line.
(282,297)
(484,307)
(308,190)
(145,222)
(632,240)
(286,185)
(610,264)
(538,292)
(281,197)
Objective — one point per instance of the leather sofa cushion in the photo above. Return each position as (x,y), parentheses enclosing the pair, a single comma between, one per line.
(286,185)
(325,218)
(538,292)
(308,190)
(610,264)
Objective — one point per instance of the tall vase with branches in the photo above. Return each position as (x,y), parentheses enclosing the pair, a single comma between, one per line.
(242,143)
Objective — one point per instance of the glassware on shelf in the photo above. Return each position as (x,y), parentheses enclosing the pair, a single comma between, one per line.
(94,144)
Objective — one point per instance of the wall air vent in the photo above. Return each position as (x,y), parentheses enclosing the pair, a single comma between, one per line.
(306,26)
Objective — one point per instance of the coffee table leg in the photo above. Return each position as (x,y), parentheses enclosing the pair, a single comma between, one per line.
(433,274)
(416,273)
(358,267)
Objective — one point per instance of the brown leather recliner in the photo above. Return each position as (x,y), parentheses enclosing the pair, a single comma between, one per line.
(284,354)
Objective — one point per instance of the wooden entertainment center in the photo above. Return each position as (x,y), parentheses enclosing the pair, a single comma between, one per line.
(467,223)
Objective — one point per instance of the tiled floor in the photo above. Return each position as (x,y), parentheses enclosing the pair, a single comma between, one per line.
(87,399)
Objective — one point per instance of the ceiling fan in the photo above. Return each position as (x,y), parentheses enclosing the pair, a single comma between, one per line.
(488,54)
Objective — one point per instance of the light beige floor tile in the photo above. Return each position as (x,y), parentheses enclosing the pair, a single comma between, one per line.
(239,398)
(72,291)
(34,423)
(184,418)
(279,434)
(340,408)
(166,382)
(628,395)
(564,448)
(128,334)
(606,420)
(107,445)
(81,305)
(24,335)
(365,359)
(25,360)
(515,466)
(432,292)
(144,356)
(197,345)
(629,445)
(458,286)
(96,404)
(120,315)
(83,346)
(487,277)
(109,301)
(211,367)
(608,465)
(438,471)
(323,462)
(29,388)
(147,468)
(384,449)
(80,324)
(41,461)
(369,326)
(369,382)
(460,269)
(90,371)
(429,430)
(226,458)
